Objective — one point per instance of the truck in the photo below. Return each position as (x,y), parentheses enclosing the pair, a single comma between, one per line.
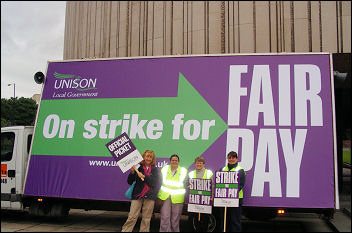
(276,110)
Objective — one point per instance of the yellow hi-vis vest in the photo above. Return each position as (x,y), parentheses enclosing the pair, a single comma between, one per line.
(235,169)
(207,174)
(173,185)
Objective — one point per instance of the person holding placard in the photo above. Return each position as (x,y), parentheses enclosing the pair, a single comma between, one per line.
(144,193)
(200,173)
(233,220)
(172,193)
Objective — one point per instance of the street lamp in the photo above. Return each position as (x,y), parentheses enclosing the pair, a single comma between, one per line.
(14,89)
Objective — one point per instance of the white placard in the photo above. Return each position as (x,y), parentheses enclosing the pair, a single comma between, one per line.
(129,160)
(226,202)
(206,209)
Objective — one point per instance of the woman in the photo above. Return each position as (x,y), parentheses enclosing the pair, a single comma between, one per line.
(234,214)
(144,193)
(172,193)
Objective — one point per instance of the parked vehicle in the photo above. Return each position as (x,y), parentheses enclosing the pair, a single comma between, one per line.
(275,110)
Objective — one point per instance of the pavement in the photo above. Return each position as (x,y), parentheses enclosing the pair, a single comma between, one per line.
(78,221)
(341,221)
(110,221)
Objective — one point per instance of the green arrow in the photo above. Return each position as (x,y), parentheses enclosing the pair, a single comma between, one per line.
(145,112)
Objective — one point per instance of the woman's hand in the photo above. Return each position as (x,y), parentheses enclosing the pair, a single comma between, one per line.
(133,168)
(140,175)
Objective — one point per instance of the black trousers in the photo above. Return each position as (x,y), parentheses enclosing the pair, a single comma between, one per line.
(233,218)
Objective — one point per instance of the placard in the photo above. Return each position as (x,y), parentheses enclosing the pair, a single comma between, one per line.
(226,189)
(200,193)
(124,152)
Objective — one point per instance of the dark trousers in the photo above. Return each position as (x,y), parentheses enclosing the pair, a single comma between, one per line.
(233,218)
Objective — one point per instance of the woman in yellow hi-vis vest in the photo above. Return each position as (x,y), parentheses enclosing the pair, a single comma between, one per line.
(200,172)
(172,193)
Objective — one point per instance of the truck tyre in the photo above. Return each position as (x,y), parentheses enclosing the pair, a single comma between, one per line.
(37,209)
(34,209)
(328,214)
(43,210)
(59,211)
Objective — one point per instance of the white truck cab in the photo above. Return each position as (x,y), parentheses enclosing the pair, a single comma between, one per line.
(15,146)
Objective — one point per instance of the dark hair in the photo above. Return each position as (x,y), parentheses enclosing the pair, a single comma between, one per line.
(175,156)
(232,154)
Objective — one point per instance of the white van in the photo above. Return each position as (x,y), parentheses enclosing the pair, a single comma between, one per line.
(15,146)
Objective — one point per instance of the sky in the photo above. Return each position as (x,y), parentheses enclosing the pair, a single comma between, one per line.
(32,33)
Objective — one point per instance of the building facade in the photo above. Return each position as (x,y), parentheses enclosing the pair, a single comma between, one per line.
(153,28)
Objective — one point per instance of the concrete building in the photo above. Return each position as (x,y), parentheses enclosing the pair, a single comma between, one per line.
(152,28)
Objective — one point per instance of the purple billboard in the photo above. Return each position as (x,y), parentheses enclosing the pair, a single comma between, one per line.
(276,111)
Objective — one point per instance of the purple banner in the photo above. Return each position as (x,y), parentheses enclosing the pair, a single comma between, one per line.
(75,177)
(278,110)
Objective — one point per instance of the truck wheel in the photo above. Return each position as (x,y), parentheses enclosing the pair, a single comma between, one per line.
(34,209)
(59,210)
(328,214)
(37,209)
(43,210)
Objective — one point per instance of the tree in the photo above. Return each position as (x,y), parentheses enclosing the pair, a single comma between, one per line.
(3,122)
(16,111)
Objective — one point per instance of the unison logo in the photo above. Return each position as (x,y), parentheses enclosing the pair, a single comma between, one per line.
(71,81)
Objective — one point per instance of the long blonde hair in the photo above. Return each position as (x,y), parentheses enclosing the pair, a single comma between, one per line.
(153,157)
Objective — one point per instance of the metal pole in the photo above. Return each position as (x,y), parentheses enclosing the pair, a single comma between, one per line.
(14,89)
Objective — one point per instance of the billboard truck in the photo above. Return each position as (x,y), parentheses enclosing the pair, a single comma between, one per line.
(275,110)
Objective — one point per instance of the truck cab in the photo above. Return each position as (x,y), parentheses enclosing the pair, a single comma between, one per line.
(15,146)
